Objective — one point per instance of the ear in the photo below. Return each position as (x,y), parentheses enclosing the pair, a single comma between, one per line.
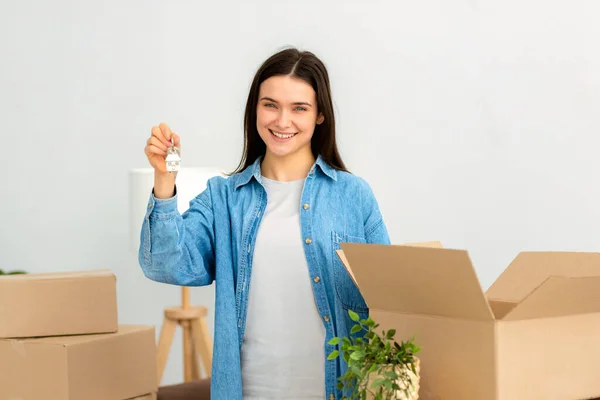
(320,119)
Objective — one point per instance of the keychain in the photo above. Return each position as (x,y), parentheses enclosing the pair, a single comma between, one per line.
(173,158)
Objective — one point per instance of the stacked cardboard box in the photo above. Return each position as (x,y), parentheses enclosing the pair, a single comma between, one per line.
(533,335)
(60,340)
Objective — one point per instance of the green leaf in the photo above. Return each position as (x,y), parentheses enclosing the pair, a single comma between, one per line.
(353,316)
(388,384)
(357,355)
(390,334)
(334,340)
(346,357)
(333,355)
(377,383)
(391,374)
(355,328)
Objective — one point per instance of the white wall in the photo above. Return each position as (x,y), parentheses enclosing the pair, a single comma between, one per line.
(476,122)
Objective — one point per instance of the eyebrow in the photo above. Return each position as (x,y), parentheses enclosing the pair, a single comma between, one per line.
(298,103)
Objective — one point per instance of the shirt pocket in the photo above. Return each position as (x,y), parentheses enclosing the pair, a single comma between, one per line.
(345,289)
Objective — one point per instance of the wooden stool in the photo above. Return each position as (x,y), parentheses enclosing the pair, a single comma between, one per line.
(196,339)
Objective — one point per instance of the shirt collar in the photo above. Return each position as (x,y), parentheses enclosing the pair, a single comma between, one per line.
(253,171)
(325,168)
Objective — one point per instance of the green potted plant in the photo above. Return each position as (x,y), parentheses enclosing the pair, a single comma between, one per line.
(2,272)
(379,367)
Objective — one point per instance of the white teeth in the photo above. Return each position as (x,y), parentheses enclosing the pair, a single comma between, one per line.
(282,136)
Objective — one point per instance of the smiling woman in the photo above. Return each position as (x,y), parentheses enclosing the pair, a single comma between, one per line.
(268,234)
(285,125)
(289,112)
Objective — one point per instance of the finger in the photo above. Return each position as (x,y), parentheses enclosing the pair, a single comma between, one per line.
(176,140)
(166,131)
(157,133)
(153,140)
(151,149)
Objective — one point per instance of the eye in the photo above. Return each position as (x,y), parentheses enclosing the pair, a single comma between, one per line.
(299,108)
(269,105)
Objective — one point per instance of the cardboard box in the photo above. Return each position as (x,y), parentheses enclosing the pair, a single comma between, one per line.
(534,335)
(112,366)
(54,304)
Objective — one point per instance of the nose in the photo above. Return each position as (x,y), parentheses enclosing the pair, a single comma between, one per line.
(284,120)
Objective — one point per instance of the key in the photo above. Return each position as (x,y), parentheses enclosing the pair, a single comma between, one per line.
(173,158)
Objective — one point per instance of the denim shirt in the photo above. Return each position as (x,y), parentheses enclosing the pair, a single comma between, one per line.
(214,240)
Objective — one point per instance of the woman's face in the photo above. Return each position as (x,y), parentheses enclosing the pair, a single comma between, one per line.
(286,115)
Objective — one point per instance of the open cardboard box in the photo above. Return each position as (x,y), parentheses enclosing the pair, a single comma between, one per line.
(534,335)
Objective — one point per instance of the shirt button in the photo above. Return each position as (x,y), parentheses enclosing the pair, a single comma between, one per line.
(306,206)
(326,318)
(317,279)
(331,397)
(308,241)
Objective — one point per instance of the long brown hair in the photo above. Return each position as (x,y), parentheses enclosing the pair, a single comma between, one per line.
(308,67)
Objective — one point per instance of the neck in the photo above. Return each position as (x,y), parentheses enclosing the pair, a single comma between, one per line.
(287,168)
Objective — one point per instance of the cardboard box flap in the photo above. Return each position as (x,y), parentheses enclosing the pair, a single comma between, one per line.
(529,269)
(340,253)
(559,296)
(419,280)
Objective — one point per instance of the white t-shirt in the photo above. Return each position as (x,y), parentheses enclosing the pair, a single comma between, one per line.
(283,354)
